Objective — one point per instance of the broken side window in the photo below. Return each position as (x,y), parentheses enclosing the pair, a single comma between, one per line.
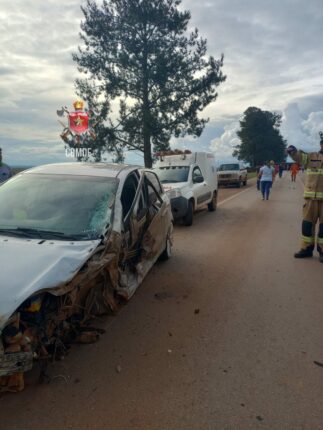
(128,193)
(155,181)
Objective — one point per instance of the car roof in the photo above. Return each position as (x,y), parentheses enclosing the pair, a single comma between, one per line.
(109,170)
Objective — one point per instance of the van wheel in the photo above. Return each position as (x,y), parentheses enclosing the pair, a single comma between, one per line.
(188,218)
(167,253)
(212,205)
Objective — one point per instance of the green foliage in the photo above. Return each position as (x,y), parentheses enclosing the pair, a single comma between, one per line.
(260,137)
(138,54)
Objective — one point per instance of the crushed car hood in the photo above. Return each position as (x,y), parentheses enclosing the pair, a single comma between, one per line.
(31,265)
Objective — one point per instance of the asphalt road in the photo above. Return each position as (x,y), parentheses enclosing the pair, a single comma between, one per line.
(222,336)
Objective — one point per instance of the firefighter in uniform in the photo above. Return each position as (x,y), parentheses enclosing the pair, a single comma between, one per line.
(313,194)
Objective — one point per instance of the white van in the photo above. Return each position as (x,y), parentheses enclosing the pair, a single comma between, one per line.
(190,180)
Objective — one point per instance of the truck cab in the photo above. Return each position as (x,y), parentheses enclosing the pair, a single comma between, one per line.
(232,174)
(190,180)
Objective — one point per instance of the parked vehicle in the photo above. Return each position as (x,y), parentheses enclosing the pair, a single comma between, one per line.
(190,181)
(74,239)
(232,174)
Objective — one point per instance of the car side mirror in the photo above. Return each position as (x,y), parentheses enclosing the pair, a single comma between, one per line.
(198,180)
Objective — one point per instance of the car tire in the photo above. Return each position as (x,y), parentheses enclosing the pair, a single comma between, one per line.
(213,203)
(167,253)
(188,218)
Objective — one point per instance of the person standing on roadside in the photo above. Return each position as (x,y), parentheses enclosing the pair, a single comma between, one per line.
(313,195)
(280,170)
(294,170)
(266,176)
(272,165)
(258,178)
(276,167)
(5,171)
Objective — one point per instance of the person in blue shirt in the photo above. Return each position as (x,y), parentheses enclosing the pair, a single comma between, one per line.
(5,171)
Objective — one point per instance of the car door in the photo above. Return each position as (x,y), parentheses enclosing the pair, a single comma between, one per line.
(201,190)
(134,214)
(159,226)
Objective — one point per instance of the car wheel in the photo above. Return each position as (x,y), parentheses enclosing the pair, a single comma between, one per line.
(167,253)
(212,205)
(188,218)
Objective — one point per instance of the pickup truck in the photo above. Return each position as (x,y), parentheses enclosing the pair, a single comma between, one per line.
(232,174)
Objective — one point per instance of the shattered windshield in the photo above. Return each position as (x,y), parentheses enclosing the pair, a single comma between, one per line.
(172,174)
(225,167)
(57,206)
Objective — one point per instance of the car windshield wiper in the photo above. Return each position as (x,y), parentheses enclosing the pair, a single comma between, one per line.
(18,232)
(33,232)
(57,235)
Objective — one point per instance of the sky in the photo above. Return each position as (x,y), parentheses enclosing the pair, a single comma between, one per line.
(272,58)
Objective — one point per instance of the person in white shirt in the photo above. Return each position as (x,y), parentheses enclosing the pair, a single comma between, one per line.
(266,174)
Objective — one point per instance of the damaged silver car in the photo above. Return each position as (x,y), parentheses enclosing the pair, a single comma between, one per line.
(75,240)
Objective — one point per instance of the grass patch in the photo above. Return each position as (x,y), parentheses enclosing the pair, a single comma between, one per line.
(252,175)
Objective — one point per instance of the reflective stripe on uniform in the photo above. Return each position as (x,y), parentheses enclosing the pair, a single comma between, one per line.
(308,239)
(314,172)
(320,240)
(309,194)
(313,195)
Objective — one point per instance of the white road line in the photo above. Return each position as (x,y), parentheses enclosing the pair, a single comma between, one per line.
(234,195)
(237,194)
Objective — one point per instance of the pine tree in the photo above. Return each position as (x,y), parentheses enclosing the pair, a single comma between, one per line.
(138,54)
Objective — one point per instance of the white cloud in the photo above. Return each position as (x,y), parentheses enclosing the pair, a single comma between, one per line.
(272,60)
(299,131)
(224,145)
(291,128)
(313,125)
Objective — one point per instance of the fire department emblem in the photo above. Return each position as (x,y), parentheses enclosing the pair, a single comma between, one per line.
(80,124)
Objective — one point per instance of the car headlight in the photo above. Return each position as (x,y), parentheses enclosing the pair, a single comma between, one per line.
(175,192)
